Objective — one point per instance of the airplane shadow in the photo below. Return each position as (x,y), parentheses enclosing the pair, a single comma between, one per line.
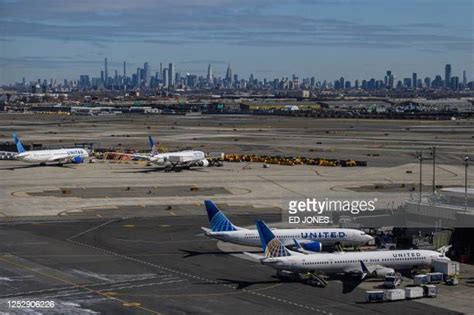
(190,253)
(13,168)
(156,169)
(349,283)
(241,284)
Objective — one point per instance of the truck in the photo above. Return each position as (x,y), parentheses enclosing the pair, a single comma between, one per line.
(446,267)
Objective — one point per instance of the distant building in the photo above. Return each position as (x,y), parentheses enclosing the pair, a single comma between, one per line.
(171,75)
(209,74)
(106,73)
(146,74)
(447,75)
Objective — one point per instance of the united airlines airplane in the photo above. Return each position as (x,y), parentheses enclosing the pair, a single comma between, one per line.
(58,156)
(370,263)
(174,160)
(312,239)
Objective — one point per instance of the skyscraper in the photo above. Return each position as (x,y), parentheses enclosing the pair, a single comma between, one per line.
(209,73)
(146,74)
(106,73)
(124,70)
(464,79)
(161,71)
(228,75)
(389,80)
(447,75)
(414,81)
(165,77)
(171,74)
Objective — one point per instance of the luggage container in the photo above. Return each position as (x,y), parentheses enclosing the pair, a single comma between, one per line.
(413,292)
(446,267)
(430,290)
(420,279)
(395,294)
(435,277)
(375,296)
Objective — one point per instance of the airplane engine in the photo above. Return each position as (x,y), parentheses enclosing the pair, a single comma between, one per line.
(313,246)
(204,163)
(77,160)
(382,272)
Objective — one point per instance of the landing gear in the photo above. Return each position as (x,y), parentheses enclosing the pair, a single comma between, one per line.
(315,280)
(310,278)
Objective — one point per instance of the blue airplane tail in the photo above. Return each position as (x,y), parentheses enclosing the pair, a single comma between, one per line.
(19,146)
(270,244)
(152,145)
(217,220)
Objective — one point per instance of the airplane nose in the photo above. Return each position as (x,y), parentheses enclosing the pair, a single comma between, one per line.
(370,240)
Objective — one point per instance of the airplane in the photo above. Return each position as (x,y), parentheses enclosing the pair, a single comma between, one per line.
(375,264)
(55,156)
(174,160)
(310,239)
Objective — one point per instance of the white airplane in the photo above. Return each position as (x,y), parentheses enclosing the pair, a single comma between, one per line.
(174,160)
(370,263)
(56,156)
(311,240)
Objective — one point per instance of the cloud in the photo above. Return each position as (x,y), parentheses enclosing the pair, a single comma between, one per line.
(229,22)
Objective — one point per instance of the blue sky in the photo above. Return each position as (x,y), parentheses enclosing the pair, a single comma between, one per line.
(325,38)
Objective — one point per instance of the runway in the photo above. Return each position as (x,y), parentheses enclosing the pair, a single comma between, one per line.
(159,266)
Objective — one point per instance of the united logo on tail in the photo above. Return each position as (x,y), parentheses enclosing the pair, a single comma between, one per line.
(217,220)
(270,244)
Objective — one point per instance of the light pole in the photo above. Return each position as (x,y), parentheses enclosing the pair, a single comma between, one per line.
(420,158)
(433,153)
(466,164)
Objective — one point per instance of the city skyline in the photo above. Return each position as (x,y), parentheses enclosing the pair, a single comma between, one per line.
(327,39)
(167,77)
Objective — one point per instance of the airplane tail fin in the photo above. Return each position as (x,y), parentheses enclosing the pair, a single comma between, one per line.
(217,219)
(19,146)
(152,145)
(444,249)
(270,244)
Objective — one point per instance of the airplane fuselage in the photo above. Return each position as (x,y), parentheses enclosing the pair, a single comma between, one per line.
(180,157)
(52,156)
(327,237)
(347,262)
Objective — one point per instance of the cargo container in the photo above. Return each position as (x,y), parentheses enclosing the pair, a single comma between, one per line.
(395,294)
(375,296)
(413,292)
(420,279)
(446,267)
(430,290)
(435,277)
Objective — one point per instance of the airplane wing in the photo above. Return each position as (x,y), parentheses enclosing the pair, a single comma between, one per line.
(134,156)
(63,158)
(255,256)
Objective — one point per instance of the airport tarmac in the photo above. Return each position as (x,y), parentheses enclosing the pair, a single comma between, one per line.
(379,142)
(29,190)
(125,237)
(159,265)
